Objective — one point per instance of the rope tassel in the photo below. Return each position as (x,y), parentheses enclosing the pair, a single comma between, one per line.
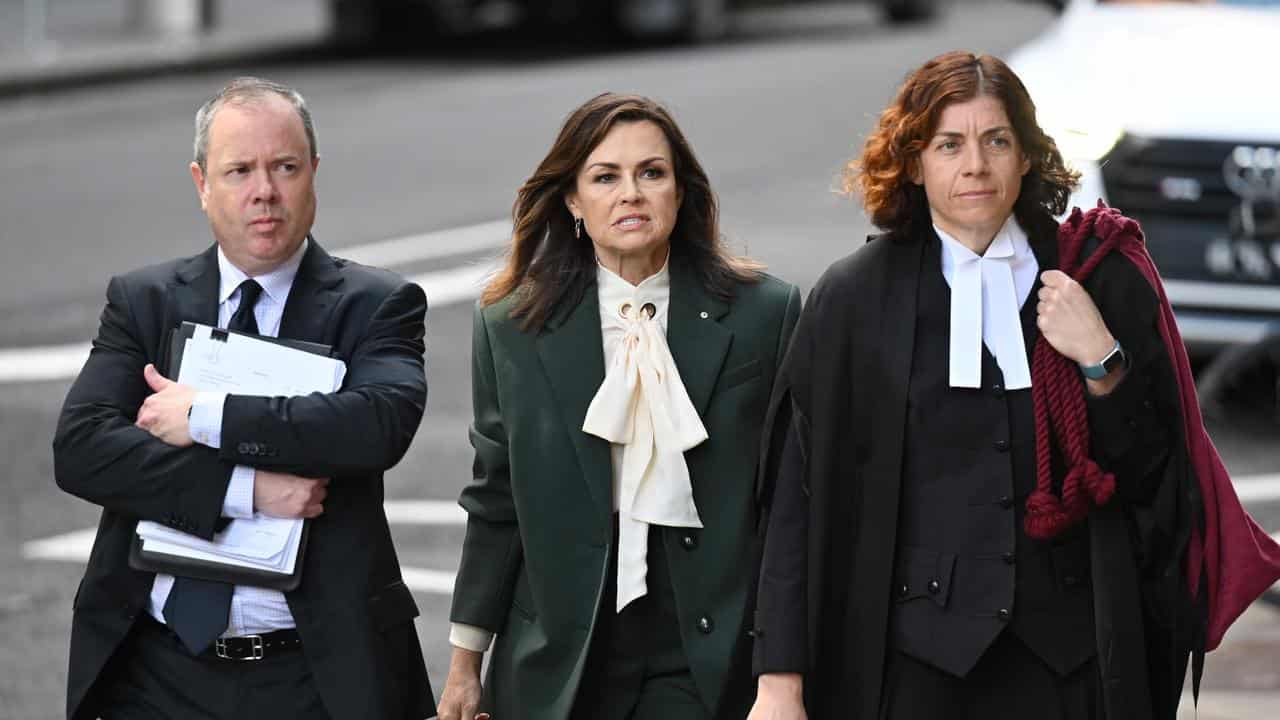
(1061,416)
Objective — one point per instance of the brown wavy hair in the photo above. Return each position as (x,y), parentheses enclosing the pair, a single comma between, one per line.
(882,173)
(546,267)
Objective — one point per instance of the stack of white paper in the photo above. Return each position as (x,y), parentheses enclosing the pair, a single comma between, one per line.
(262,543)
(244,365)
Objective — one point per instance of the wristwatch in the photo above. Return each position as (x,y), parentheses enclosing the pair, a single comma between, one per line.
(1114,359)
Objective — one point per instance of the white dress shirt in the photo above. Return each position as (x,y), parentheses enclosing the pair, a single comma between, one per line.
(987,293)
(254,610)
(642,408)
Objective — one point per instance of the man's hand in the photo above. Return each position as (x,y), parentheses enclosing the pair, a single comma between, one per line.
(461,695)
(288,496)
(779,696)
(164,413)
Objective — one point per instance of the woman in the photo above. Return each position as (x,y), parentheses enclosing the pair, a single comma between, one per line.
(946,539)
(622,365)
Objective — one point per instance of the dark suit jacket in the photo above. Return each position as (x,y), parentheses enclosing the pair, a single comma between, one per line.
(352,609)
(840,402)
(536,553)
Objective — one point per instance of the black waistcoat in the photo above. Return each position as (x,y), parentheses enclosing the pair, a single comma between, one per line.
(964,568)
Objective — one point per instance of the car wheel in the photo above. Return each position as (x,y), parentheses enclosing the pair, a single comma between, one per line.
(673,20)
(905,11)
(380,24)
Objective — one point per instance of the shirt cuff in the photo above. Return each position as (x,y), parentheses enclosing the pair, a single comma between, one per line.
(469,637)
(238,502)
(204,424)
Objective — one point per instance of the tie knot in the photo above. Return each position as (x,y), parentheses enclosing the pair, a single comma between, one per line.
(250,290)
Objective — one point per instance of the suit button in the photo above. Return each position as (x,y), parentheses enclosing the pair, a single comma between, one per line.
(243,448)
(1001,445)
(705,626)
(1003,614)
(997,390)
(1148,404)
(903,590)
(934,587)
(1006,502)
(1070,580)
(1009,558)
(688,542)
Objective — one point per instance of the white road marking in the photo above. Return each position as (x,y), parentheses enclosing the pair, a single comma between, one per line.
(455,285)
(68,547)
(39,364)
(428,581)
(443,287)
(430,246)
(1258,488)
(424,512)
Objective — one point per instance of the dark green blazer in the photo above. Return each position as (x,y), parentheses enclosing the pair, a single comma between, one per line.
(540,509)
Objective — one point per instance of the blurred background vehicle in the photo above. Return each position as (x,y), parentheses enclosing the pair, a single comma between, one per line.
(1162,108)
(402,23)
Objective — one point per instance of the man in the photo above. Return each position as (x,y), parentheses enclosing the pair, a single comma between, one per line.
(342,645)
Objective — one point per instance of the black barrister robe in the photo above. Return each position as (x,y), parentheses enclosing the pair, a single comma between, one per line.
(832,471)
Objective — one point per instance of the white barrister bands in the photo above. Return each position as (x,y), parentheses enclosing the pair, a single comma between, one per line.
(643,409)
(986,294)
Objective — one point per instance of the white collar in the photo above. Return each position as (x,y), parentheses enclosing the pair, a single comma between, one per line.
(614,290)
(275,284)
(987,292)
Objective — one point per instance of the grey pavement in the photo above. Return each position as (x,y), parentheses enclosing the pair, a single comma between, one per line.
(78,42)
(93,181)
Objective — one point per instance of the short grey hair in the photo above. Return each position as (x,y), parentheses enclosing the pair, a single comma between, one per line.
(246,90)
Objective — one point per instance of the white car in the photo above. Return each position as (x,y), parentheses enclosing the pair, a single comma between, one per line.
(1171,112)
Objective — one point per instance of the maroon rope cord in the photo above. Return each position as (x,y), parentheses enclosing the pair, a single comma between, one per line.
(1061,418)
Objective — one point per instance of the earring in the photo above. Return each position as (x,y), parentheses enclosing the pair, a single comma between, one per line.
(577,228)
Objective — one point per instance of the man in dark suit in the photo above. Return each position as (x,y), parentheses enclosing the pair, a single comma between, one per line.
(341,645)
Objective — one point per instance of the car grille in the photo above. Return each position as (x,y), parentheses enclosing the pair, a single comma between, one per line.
(1169,178)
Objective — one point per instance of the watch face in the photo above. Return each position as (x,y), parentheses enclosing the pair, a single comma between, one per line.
(1114,359)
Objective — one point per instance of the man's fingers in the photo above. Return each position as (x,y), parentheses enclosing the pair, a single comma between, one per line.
(155,380)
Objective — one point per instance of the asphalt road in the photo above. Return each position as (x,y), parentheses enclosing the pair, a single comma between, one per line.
(95,181)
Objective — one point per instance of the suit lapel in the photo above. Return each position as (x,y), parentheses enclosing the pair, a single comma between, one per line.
(312,297)
(897,337)
(697,340)
(571,351)
(1044,245)
(195,295)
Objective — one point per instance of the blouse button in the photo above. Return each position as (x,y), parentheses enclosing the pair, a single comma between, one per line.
(703,315)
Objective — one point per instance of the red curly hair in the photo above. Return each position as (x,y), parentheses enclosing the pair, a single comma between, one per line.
(882,173)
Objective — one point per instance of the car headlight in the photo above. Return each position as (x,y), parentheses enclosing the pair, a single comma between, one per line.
(1087,140)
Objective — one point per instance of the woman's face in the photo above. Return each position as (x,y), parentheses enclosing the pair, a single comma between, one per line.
(972,170)
(627,196)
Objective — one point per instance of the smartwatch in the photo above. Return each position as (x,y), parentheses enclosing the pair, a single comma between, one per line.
(1114,359)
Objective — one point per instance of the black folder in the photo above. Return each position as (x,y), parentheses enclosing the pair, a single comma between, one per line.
(157,562)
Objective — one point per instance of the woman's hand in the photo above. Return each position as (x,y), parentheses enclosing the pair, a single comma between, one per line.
(461,695)
(779,696)
(1071,323)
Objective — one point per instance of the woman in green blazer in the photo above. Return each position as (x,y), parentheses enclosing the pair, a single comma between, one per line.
(622,362)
